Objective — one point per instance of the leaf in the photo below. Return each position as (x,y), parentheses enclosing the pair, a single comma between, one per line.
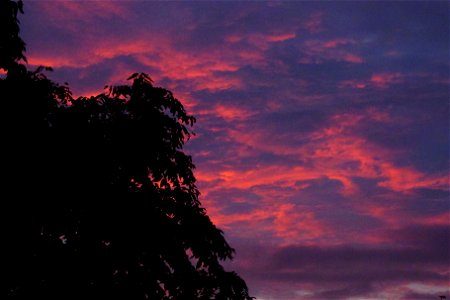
(134,75)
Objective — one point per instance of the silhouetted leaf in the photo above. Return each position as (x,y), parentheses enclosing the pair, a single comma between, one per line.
(134,75)
(99,200)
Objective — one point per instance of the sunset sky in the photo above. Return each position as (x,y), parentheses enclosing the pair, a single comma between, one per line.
(322,135)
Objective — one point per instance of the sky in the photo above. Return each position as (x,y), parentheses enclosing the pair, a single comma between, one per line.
(322,135)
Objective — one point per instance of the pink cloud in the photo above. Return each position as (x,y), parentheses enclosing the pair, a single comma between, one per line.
(282,221)
(353,83)
(377,80)
(329,148)
(264,41)
(293,224)
(334,49)
(78,9)
(234,38)
(334,43)
(232,113)
(203,70)
(156,52)
(314,23)
(440,219)
(383,80)
(352,58)
(334,152)
(286,211)
(281,37)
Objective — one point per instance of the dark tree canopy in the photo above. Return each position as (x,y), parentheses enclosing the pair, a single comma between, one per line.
(98,199)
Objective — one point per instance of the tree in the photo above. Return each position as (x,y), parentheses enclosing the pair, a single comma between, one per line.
(99,200)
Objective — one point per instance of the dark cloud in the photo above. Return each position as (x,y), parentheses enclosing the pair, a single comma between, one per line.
(346,271)
(341,272)
(431,240)
(357,261)
(346,292)
(425,296)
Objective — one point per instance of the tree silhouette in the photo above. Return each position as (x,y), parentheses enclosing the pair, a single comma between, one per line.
(98,199)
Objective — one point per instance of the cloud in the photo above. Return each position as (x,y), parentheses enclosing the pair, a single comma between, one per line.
(364,184)
(347,271)
(336,152)
(314,23)
(322,135)
(359,262)
(384,80)
(339,49)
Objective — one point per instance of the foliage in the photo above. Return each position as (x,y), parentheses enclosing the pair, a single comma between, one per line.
(99,200)
(11,45)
